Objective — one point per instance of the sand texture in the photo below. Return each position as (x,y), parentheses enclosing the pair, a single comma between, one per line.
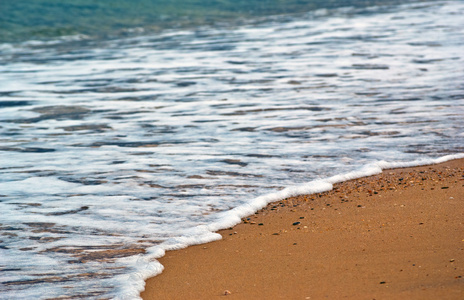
(397,235)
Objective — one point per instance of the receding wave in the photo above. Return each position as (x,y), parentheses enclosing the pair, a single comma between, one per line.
(114,150)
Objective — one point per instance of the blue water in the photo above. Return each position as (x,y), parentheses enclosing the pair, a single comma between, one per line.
(114,149)
(94,19)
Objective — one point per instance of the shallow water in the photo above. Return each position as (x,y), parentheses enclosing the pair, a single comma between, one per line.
(114,150)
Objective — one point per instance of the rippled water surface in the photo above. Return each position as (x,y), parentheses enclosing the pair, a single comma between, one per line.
(114,149)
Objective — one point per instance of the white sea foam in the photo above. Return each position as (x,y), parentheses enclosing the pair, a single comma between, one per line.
(146,268)
(138,146)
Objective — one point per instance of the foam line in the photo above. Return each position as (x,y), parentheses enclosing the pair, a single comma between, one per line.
(206,233)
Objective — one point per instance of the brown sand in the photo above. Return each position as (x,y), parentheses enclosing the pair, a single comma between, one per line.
(398,235)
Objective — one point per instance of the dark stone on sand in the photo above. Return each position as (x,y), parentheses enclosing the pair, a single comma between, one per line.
(296,223)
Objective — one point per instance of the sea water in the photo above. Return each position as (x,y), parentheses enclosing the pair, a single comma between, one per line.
(116,149)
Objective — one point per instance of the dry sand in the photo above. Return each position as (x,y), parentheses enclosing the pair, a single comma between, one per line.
(397,235)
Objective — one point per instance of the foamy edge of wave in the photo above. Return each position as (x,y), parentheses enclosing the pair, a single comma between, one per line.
(147,266)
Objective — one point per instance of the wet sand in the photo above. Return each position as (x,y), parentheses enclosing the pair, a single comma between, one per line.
(397,235)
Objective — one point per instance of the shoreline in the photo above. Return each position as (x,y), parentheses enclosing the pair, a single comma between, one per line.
(395,235)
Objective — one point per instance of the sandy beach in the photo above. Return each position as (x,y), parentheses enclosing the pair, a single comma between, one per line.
(397,235)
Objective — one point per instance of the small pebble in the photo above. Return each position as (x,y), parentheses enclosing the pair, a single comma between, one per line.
(227,292)
(296,223)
